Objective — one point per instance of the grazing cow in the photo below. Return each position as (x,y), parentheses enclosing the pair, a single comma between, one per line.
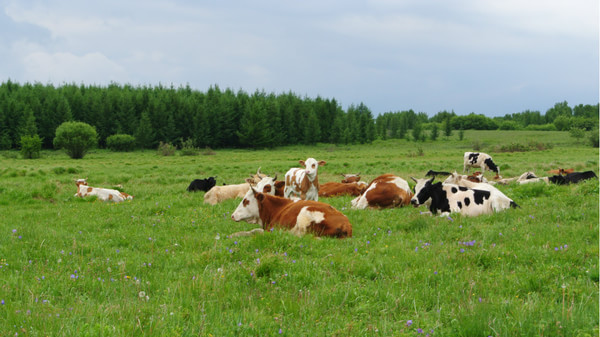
(350,178)
(335,189)
(202,184)
(303,182)
(449,198)
(384,191)
(104,194)
(432,173)
(572,178)
(480,159)
(300,216)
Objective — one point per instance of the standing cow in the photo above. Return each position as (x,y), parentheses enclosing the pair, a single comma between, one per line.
(303,182)
(482,160)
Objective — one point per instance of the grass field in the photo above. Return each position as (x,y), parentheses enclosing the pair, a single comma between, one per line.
(163,264)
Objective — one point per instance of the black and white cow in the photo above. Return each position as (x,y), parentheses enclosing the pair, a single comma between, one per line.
(572,178)
(202,184)
(482,160)
(449,198)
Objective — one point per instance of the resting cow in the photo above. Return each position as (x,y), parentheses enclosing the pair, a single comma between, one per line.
(300,216)
(482,160)
(104,194)
(449,198)
(498,203)
(333,189)
(572,178)
(384,191)
(202,184)
(303,182)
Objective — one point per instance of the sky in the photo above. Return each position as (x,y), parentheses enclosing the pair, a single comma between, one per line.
(484,56)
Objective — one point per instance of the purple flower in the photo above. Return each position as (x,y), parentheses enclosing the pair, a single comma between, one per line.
(2,302)
(14,230)
(280,331)
(416,249)
(368,241)
(462,250)
(409,322)
(419,330)
(435,272)
(556,248)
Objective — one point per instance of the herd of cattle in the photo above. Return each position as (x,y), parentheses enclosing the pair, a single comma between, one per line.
(293,203)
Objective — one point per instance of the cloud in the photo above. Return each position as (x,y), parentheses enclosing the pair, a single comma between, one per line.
(66,67)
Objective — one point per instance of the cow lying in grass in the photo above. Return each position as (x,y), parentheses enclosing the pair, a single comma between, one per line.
(497,198)
(449,198)
(299,216)
(384,191)
(104,194)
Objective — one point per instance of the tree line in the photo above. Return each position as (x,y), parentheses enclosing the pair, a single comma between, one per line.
(221,118)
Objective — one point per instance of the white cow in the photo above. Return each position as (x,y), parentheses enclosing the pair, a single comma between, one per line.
(104,194)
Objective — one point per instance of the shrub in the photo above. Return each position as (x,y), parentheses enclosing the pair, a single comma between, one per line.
(188,148)
(208,152)
(509,125)
(120,143)
(594,138)
(31,146)
(166,149)
(541,127)
(77,138)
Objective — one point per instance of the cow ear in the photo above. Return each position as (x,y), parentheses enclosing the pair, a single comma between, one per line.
(280,184)
(430,180)
(249,180)
(302,162)
(322,162)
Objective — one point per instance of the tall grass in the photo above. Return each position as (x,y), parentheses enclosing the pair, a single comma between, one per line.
(163,264)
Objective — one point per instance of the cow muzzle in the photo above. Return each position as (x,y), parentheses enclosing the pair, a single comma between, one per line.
(414,202)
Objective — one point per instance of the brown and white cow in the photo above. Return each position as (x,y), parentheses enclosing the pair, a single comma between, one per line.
(350,178)
(299,216)
(333,189)
(104,194)
(303,182)
(384,191)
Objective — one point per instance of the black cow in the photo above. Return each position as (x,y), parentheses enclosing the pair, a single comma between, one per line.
(202,184)
(572,178)
(432,173)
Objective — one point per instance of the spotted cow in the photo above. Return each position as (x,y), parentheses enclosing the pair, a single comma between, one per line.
(298,216)
(104,194)
(450,198)
(482,160)
(498,199)
(303,182)
(384,191)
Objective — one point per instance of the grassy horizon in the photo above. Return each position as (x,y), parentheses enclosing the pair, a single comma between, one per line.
(163,264)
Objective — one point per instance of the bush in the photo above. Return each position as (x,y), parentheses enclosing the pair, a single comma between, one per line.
(77,138)
(509,125)
(120,143)
(541,127)
(188,148)
(166,149)
(31,146)
(594,138)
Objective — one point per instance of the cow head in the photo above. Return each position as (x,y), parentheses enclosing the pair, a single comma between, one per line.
(311,166)
(423,191)
(81,182)
(210,183)
(351,178)
(248,209)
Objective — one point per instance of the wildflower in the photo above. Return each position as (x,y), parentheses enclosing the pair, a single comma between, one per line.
(416,249)
(280,331)
(462,250)
(142,294)
(368,241)
(14,230)
(240,324)
(409,322)
(419,330)
(2,302)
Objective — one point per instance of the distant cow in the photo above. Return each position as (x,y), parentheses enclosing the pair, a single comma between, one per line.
(350,178)
(336,189)
(561,171)
(384,191)
(300,216)
(432,173)
(219,194)
(303,182)
(104,194)
(202,184)
(449,198)
(572,178)
(480,159)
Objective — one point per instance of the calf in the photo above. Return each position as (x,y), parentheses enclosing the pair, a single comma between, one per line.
(480,159)
(335,189)
(300,217)
(449,198)
(303,182)
(104,194)
(384,191)
(202,184)
(572,178)
(219,194)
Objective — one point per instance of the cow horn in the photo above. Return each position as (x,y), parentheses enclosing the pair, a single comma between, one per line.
(415,180)
(275,178)
(258,171)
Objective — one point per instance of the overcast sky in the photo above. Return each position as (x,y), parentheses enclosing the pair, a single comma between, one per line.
(490,57)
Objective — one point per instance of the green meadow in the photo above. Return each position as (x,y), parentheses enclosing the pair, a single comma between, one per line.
(163,264)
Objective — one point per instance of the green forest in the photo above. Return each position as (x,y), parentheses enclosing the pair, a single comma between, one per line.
(225,118)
